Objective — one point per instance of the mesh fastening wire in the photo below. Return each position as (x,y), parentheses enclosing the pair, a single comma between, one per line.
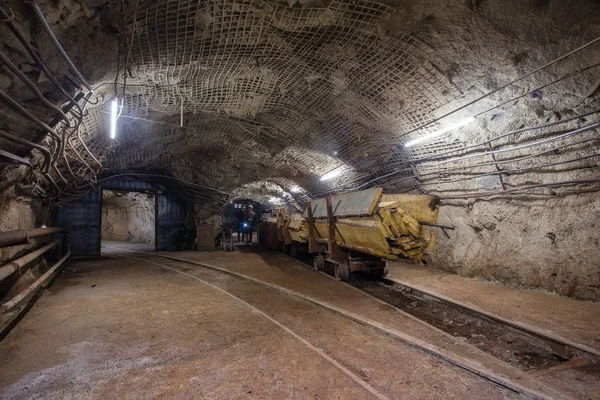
(266,87)
(271,89)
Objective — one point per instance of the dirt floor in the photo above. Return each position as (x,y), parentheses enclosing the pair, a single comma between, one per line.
(149,328)
(576,320)
(274,268)
(502,342)
(136,325)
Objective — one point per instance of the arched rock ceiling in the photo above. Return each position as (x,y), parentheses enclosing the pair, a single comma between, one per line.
(288,90)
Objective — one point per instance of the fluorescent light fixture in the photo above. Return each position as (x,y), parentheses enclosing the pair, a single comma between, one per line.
(114,105)
(331,174)
(449,128)
(295,189)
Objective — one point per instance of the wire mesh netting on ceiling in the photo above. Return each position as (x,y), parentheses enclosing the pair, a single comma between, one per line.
(266,88)
(226,93)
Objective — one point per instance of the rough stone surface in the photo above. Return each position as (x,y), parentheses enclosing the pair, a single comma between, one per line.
(128,217)
(552,245)
(274,94)
(18,210)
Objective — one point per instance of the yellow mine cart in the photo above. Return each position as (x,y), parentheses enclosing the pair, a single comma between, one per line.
(369,228)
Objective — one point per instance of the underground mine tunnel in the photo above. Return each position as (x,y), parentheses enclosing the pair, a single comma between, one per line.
(342,199)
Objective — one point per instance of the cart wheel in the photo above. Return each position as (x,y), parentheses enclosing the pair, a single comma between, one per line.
(319,262)
(377,273)
(342,272)
(294,251)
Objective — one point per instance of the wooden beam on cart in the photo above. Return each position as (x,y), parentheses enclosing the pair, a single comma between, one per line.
(313,246)
(334,250)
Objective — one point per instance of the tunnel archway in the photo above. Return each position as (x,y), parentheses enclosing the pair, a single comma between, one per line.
(83,216)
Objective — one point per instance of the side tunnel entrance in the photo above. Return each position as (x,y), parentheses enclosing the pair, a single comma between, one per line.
(109,212)
(128,217)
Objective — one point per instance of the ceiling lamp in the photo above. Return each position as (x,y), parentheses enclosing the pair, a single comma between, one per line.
(440,132)
(331,174)
(114,105)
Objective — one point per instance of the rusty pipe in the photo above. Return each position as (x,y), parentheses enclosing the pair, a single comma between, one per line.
(16,265)
(41,282)
(13,238)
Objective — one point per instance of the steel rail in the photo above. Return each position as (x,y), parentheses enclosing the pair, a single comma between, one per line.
(548,337)
(361,382)
(466,364)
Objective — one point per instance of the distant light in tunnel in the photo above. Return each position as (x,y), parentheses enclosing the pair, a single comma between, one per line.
(331,174)
(114,105)
(440,132)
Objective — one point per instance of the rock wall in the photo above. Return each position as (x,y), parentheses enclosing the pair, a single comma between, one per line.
(19,210)
(128,217)
(545,244)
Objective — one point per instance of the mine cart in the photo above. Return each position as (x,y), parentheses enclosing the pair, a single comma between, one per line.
(360,231)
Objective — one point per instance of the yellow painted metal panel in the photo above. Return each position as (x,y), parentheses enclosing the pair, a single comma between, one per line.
(422,207)
(389,231)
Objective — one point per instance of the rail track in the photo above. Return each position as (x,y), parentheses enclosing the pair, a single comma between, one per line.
(519,385)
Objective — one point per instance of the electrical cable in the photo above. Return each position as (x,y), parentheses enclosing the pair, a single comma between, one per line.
(501,88)
(13,68)
(494,163)
(510,172)
(474,195)
(42,19)
(37,58)
(480,144)
(556,60)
